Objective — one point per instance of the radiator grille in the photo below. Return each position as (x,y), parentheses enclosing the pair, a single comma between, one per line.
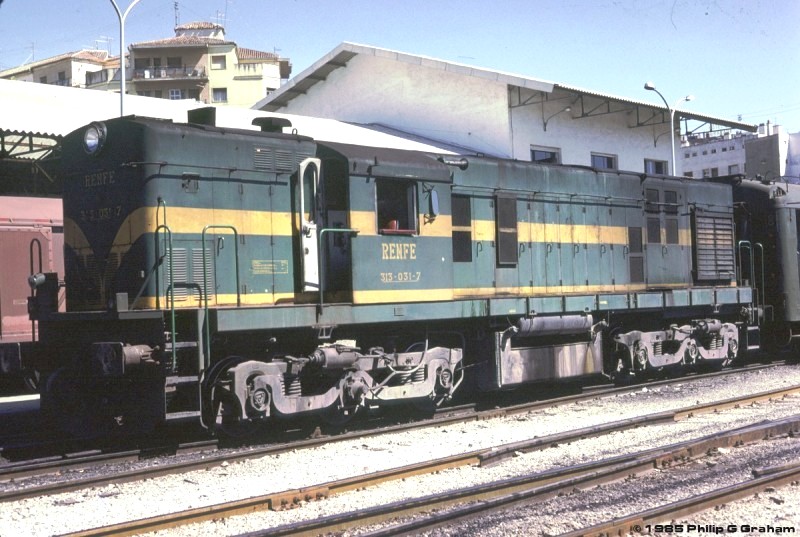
(713,247)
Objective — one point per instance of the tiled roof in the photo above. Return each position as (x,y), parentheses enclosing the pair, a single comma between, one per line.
(250,54)
(182,41)
(91,55)
(97,56)
(199,26)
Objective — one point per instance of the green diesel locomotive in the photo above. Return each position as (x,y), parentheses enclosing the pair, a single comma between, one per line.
(240,275)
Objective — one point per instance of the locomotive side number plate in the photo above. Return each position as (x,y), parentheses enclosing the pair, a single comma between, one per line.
(400,277)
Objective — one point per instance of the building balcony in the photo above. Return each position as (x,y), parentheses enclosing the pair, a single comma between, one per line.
(169,73)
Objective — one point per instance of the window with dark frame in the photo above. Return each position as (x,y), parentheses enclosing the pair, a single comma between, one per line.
(604,162)
(462,229)
(218,62)
(654,230)
(506,218)
(655,167)
(635,254)
(651,200)
(396,203)
(545,156)
(671,230)
(220,95)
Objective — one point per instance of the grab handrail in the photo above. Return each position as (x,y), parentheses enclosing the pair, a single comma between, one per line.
(207,344)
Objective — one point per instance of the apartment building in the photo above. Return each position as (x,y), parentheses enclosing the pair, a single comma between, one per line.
(764,152)
(70,69)
(200,63)
(197,63)
(712,156)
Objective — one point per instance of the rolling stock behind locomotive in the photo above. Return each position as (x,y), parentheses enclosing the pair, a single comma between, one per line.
(240,275)
(31,240)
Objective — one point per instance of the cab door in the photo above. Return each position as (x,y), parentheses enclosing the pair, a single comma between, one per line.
(308,174)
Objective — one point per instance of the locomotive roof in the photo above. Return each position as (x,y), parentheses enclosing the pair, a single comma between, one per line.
(387,162)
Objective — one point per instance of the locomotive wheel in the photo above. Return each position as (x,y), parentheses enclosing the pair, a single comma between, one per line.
(338,416)
(425,407)
(62,410)
(229,422)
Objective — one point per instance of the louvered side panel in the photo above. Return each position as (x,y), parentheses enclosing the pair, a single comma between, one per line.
(713,247)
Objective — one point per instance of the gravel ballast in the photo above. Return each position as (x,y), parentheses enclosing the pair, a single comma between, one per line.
(117,503)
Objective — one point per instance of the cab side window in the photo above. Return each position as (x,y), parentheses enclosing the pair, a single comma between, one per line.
(396,207)
(462,229)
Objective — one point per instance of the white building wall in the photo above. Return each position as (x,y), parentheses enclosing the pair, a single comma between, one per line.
(768,156)
(428,101)
(577,138)
(79,70)
(721,156)
(437,101)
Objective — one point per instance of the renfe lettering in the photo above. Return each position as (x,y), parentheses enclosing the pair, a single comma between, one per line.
(98,179)
(393,250)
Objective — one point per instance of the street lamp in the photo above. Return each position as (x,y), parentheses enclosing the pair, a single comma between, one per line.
(650,86)
(565,109)
(122,17)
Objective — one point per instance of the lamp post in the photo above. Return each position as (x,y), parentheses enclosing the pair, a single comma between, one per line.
(565,109)
(122,17)
(650,86)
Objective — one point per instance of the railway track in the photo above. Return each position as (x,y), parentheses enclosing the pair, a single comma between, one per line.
(493,495)
(660,519)
(70,462)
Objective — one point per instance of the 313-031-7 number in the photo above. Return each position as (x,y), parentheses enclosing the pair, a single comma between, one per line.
(400,277)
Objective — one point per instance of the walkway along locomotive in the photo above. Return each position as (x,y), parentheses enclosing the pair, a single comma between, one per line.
(238,276)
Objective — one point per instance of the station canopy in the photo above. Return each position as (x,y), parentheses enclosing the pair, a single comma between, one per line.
(35,117)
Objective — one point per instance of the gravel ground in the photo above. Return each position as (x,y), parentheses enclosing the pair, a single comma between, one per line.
(116,503)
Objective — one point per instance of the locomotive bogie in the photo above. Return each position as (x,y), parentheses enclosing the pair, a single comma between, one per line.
(707,341)
(338,376)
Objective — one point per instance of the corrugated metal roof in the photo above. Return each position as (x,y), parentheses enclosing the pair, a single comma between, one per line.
(687,114)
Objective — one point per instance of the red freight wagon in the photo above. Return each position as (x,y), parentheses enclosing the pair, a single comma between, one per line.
(31,241)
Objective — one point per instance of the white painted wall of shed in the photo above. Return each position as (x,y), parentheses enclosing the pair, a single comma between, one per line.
(436,100)
(428,101)
(578,138)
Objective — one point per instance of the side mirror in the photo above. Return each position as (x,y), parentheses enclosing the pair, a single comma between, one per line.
(433,200)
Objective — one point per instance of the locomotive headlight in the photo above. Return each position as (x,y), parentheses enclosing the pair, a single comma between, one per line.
(94,138)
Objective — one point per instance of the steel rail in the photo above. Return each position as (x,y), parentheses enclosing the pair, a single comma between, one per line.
(629,464)
(53,465)
(496,455)
(638,522)
(594,392)
(476,501)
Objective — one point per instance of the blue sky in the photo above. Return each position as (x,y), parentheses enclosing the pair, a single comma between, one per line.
(737,57)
